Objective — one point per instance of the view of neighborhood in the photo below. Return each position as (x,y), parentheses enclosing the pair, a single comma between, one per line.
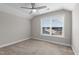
(53,30)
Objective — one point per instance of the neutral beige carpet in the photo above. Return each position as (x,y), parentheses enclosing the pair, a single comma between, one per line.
(36,47)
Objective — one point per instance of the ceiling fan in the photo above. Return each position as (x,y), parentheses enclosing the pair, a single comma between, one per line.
(33,8)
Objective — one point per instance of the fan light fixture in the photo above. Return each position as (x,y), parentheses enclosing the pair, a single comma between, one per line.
(34,10)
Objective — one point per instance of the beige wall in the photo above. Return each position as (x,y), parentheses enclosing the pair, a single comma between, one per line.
(67,25)
(13,28)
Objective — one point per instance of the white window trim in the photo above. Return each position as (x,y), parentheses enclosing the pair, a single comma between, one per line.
(62,36)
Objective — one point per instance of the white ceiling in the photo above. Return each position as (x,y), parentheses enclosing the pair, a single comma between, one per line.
(50,7)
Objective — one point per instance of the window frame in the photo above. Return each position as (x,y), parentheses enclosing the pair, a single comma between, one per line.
(63,18)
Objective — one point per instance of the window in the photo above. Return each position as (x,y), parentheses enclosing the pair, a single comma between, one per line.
(53,26)
(45,24)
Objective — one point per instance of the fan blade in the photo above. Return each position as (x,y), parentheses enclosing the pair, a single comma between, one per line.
(26,8)
(40,7)
(30,12)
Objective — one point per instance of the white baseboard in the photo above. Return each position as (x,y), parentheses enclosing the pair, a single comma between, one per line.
(11,43)
(54,42)
(74,50)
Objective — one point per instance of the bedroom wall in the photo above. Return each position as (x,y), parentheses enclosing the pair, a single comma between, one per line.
(13,28)
(68,28)
(75,29)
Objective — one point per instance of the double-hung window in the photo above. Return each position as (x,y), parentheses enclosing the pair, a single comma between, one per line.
(53,26)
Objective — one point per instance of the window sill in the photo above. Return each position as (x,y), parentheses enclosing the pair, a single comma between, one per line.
(60,36)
